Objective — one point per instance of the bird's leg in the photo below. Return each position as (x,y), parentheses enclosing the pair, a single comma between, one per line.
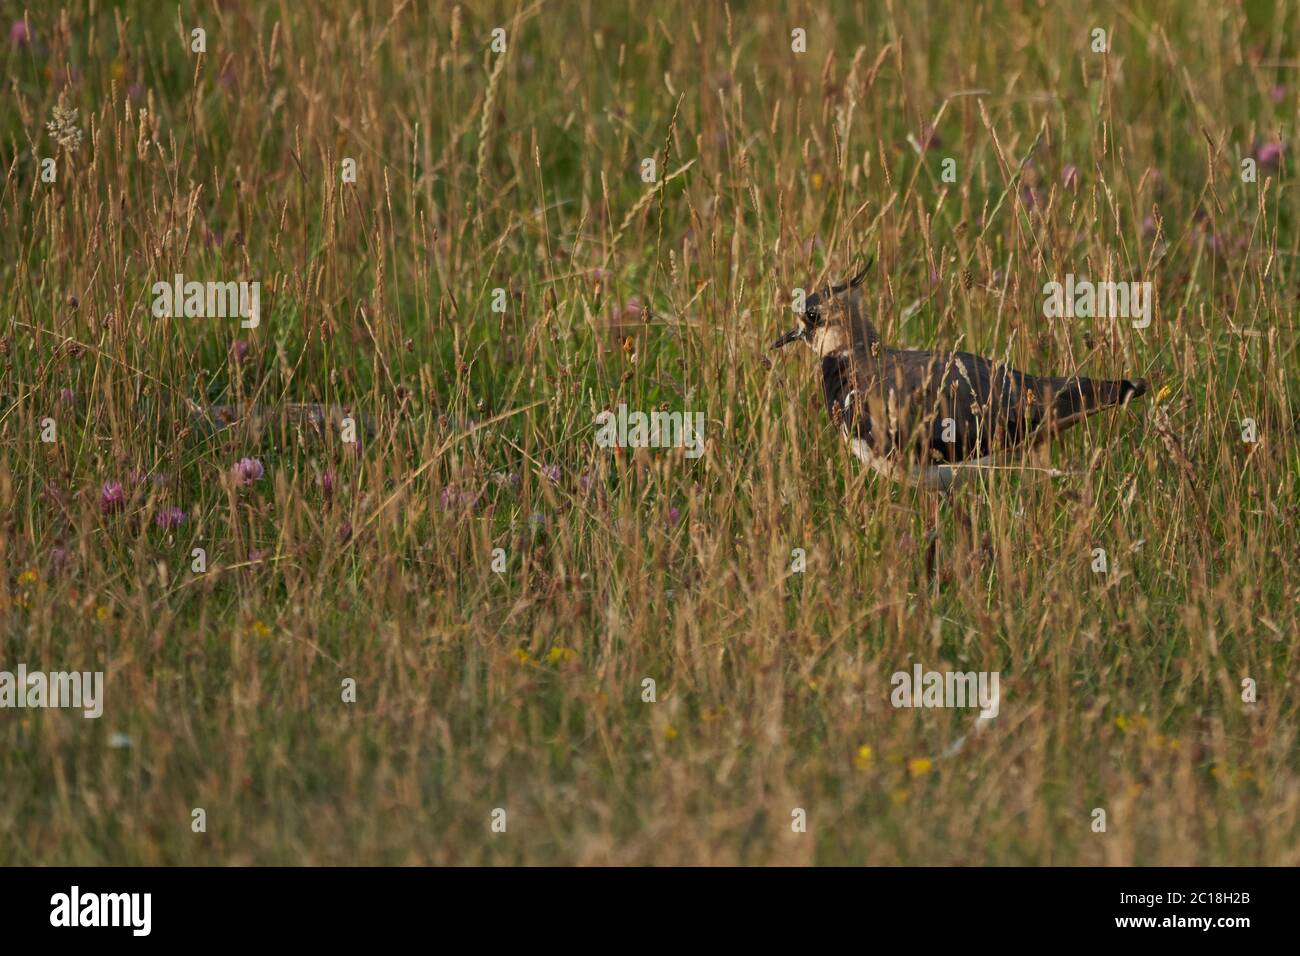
(959,513)
(982,546)
(932,536)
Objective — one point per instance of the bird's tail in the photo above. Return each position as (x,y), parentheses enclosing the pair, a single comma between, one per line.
(1077,397)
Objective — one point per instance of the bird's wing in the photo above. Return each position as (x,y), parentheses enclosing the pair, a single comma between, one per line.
(926,408)
(947,406)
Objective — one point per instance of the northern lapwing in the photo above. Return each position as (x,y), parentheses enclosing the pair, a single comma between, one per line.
(934,418)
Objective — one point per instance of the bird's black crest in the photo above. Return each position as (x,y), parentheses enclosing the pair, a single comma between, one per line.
(812,314)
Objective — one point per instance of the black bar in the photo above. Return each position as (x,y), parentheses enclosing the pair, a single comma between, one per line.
(334,906)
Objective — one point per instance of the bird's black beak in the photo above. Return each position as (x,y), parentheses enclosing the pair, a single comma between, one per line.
(792,335)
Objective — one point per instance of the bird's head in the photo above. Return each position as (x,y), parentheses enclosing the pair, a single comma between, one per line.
(832,318)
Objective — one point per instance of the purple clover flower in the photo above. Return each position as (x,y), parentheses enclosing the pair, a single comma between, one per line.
(20,35)
(1269,155)
(248,470)
(169,519)
(112,497)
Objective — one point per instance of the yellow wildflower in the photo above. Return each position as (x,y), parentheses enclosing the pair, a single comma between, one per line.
(864,757)
(919,766)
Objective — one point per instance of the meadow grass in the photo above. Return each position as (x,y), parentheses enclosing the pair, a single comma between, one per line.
(522,689)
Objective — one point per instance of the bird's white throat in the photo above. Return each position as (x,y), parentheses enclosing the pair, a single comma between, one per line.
(828,339)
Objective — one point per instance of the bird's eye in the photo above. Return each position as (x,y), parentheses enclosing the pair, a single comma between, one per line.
(811,318)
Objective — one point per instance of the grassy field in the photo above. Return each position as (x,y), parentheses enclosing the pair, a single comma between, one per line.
(513,679)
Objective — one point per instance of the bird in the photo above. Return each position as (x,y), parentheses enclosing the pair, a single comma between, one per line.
(934,419)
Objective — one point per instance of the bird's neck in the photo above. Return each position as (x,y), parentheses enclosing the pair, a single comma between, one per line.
(867,335)
(830,340)
(837,340)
